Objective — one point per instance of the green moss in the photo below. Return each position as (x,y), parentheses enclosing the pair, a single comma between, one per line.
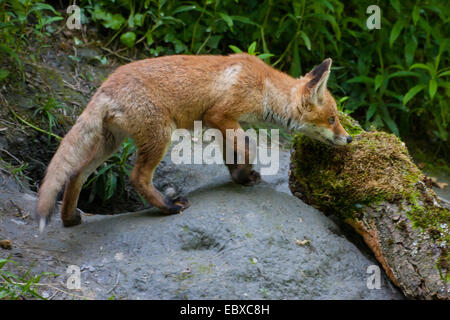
(350,125)
(375,167)
(205,269)
(436,222)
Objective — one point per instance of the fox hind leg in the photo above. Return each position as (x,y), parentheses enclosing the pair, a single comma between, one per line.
(151,150)
(102,151)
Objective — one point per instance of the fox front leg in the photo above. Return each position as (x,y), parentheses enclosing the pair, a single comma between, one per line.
(240,173)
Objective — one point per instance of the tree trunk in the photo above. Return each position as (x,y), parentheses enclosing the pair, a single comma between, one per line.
(373,185)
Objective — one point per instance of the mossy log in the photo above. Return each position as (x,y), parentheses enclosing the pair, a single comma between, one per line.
(373,185)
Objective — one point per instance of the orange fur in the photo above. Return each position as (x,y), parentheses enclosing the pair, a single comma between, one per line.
(147,99)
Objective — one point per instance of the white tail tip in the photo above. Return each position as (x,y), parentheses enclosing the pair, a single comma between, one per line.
(42,224)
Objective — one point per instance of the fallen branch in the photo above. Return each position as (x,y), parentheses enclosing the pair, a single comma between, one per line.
(373,185)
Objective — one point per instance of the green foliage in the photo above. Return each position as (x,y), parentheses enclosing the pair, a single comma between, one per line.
(395,78)
(15,287)
(381,71)
(110,177)
(252,51)
(48,113)
(18,172)
(14,31)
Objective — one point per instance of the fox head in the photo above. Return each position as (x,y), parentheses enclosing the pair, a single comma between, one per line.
(316,110)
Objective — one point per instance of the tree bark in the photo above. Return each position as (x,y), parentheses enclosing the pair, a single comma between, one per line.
(411,256)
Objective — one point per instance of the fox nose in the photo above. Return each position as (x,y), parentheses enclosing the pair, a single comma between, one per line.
(349,139)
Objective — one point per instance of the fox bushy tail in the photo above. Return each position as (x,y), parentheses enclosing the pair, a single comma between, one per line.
(73,152)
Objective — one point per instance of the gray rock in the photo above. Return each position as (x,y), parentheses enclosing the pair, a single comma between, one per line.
(234,242)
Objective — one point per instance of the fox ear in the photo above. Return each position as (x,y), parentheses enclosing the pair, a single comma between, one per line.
(317,80)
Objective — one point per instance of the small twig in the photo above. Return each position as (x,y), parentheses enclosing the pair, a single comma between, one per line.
(204,43)
(73,87)
(19,210)
(140,40)
(115,285)
(53,295)
(4,170)
(116,54)
(12,123)
(12,156)
(76,103)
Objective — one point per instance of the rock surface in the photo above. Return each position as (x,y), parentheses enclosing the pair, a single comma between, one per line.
(234,242)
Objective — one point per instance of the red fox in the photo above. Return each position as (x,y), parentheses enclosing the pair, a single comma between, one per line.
(147,99)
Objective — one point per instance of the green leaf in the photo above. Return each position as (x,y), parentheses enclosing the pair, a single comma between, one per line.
(252,48)
(244,20)
(306,40)
(48,21)
(113,21)
(295,65)
(77,41)
(149,38)
(412,92)
(128,39)
(396,5)
(172,20)
(235,49)
(39,6)
(420,66)
(331,20)
(111,186)
(391,125)
(99,13)
(432,88)
(227,19)
(14,55)
(3,74)
(139,19)
(378,81)
(410,50)
(370,112)
(264,56)
(5,261)
(415,14)
(360,79)
(103,60)
(390,122)
(443,74)
(403,74)
(183,9)
(395,32)
(328,5)
(131,22)
(3,293)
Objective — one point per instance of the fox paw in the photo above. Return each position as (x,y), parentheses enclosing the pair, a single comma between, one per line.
(73,221)
(249,179)
(253,178)
(177,205)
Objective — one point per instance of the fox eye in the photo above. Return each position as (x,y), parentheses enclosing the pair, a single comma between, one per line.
(331,120)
